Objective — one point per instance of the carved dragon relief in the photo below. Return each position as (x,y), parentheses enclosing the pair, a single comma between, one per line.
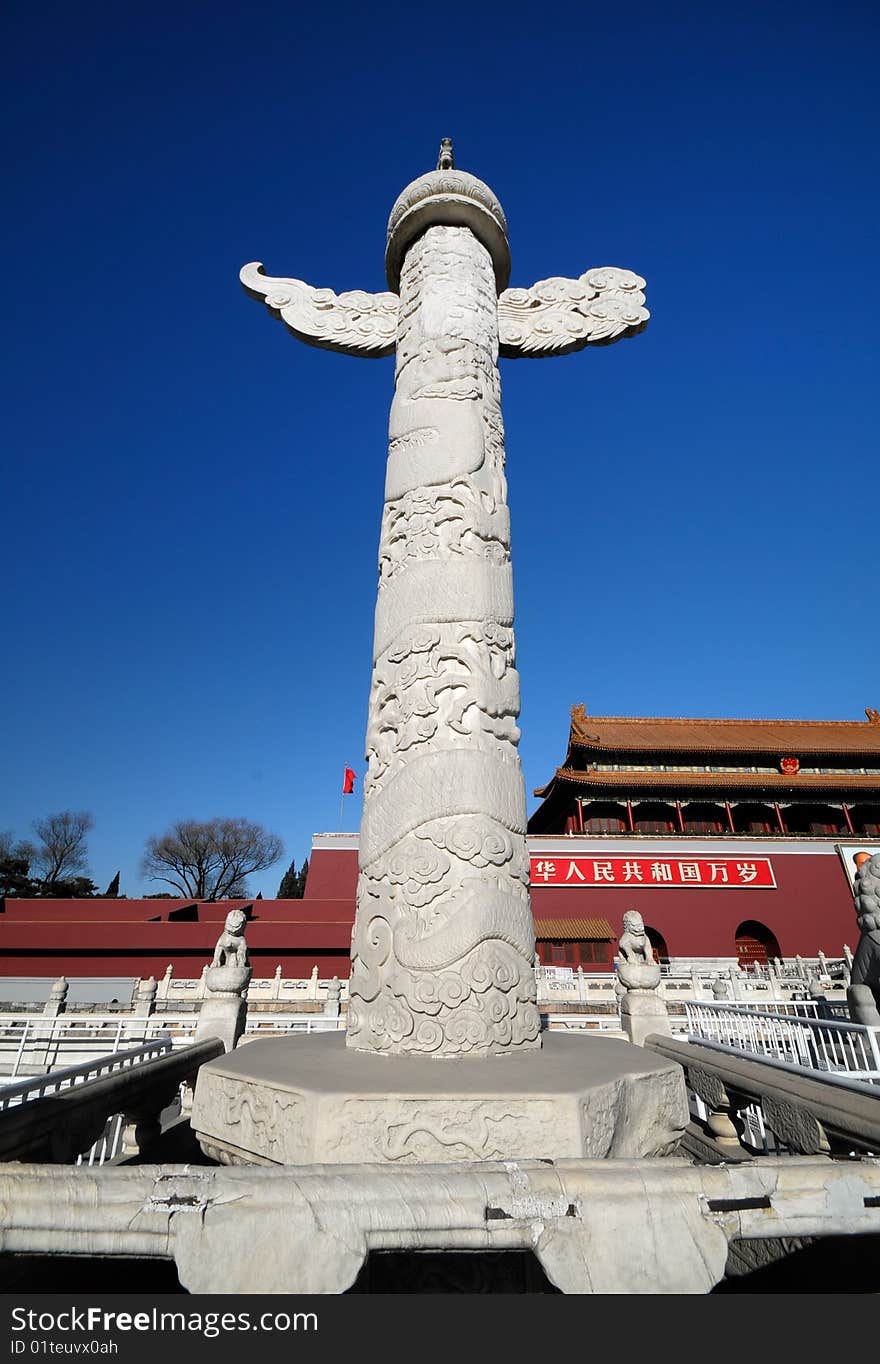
(444,960)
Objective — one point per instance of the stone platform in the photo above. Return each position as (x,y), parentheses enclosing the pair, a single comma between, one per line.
(306,1100)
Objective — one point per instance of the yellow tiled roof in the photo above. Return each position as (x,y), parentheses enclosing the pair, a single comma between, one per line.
(573,928)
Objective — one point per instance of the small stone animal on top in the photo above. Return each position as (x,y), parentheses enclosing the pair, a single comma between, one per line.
(635,945)
(231,949)
(446,160)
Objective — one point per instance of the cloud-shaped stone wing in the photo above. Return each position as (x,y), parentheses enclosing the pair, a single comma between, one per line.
(355,323)
(556,316)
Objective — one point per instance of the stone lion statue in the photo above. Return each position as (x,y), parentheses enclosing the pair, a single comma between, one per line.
(637,968)
(635,945)
(863,995)
(231,949)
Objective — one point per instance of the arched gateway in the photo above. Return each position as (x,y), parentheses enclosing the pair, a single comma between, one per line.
(756,944)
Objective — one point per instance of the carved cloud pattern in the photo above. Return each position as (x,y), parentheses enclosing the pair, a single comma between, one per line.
(556,316)
(356,323)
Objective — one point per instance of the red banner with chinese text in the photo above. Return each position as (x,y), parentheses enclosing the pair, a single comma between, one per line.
(653,871)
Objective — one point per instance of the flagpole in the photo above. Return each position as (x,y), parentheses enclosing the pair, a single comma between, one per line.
(341,803)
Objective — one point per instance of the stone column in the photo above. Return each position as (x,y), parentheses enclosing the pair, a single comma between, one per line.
(443,943)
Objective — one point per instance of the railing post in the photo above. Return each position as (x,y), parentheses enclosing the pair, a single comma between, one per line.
(873,1039)
(57,1001)
(331,1003)
(21,1046)
(145,999)
(773,979)
(723,1122)
(140,1131)
(848,961)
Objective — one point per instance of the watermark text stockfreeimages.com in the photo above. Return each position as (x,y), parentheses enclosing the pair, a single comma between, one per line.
(99,1319)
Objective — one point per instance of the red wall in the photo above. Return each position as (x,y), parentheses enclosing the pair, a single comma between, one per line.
(332,872)
(811,909)
(109,937)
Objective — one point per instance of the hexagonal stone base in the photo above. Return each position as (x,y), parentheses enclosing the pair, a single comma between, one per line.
(308,1099)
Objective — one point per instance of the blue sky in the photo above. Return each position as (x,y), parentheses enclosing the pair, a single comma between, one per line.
(193,498)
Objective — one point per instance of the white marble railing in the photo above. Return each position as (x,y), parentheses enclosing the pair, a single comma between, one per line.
(261,990)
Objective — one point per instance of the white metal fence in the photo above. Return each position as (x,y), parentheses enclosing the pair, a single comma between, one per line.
(109,1144)
(816,1043)
(25,1091)
(34,1045)
(107,1044)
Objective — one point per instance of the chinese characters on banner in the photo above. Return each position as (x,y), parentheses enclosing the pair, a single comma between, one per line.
(653,871)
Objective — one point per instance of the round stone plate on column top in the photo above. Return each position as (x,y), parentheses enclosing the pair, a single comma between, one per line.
(450,198)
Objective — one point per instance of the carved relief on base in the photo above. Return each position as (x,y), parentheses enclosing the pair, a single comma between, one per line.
(257,1119)
(423,1130)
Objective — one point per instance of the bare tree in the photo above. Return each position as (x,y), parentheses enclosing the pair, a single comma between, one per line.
(62,848)
(210,859)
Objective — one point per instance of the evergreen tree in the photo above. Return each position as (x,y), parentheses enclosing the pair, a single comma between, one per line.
(287,889)
(112,891)
(14,879)
(293,882)
(67,888)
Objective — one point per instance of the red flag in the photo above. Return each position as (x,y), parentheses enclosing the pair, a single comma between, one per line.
(348,781)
